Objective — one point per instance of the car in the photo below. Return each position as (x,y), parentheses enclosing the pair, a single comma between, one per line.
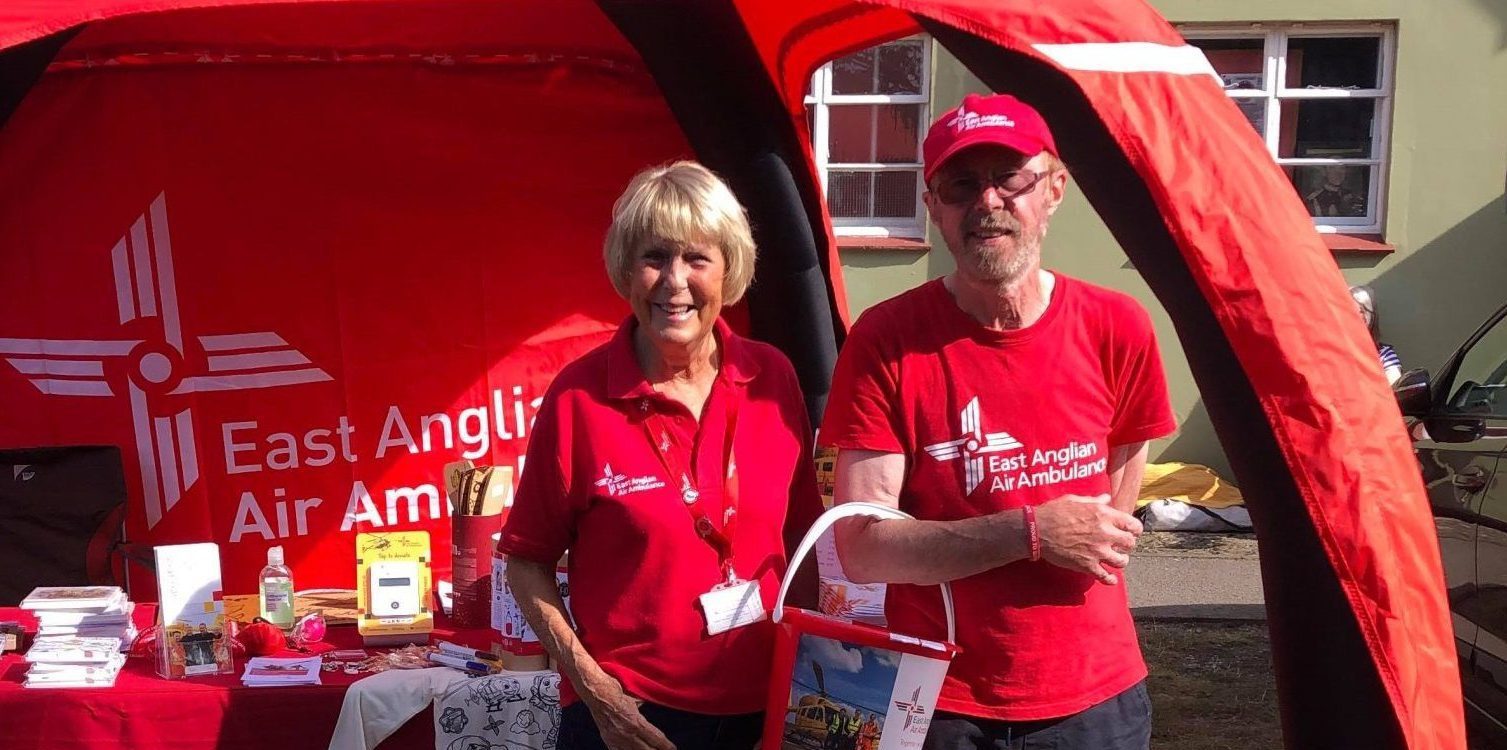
(1458,423)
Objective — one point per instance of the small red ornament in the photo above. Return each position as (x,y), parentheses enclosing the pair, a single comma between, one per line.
(262,638)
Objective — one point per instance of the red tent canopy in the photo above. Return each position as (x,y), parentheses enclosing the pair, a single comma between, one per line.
(267,247)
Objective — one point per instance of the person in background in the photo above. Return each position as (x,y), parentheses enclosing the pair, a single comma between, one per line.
(669,462)
(868,734)
(850,729)
(1365,302)
(836,720)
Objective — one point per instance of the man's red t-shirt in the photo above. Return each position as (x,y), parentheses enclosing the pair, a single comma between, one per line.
(995,420)
(593,484)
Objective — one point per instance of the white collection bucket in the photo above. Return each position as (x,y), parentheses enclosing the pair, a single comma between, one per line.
(864,682)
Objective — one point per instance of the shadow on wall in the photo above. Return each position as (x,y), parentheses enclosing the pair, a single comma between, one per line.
(1197,443)
(1429,302)
(1498,12)
(873,275)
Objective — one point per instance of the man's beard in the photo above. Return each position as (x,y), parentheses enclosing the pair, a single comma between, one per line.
(1009,264)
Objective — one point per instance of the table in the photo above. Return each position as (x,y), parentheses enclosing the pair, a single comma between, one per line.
(143,711)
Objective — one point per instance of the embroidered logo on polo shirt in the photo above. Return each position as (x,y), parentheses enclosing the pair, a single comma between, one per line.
(617,485)
(972,445)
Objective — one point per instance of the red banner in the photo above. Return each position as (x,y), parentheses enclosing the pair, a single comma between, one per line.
(292,292)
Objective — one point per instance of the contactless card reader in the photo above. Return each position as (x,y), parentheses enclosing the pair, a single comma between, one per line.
(394,584)
(394,589)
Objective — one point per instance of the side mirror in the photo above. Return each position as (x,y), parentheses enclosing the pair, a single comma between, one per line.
(1414,394)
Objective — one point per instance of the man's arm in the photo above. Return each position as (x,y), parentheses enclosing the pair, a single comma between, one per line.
(1077,533)
(1127,467)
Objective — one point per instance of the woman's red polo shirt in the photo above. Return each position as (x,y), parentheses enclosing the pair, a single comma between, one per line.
(593,485)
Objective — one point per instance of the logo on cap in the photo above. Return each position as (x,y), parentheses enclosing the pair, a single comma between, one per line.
(965,121)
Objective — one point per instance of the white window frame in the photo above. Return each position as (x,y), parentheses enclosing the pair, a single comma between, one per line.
(1274,77)
(821,98)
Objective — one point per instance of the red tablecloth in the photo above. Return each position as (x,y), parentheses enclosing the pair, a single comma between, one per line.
(144,711)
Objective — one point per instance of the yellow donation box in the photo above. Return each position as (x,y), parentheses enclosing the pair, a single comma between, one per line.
(393,582)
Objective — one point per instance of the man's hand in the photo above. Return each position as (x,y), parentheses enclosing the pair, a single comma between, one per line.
(618,720)
(1086,535)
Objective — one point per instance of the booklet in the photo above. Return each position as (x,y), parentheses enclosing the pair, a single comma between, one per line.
(124,632)
(72,649)
(193,640)
(59,671)
(74,618)
(93,681)
(264,671)
(86,598)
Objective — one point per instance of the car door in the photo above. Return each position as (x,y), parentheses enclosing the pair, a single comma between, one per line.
(1488,607)
(1457,475)
(1460,454)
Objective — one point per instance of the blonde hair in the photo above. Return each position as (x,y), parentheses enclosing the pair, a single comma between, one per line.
(1365,299)
(685,203)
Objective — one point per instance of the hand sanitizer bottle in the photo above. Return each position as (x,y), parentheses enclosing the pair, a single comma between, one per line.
(277,590)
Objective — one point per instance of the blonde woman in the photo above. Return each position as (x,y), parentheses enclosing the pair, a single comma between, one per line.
(1365,303)
(668,462)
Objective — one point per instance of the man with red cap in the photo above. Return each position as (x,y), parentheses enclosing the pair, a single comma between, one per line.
(1008,408)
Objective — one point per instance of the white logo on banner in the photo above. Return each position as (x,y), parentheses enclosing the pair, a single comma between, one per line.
(972,446)
(965,121)
(146,289)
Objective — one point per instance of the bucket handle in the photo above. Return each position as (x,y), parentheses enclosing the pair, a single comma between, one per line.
(825,522)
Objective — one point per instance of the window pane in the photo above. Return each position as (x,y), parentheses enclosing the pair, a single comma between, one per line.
(1239,62)
(895,194)
(898,133)
(849,194)
(850,133)
(1336,128)
(854,74)
(1255,111)
(1478,384)
(1333,62)
(1333,190)
(900,67)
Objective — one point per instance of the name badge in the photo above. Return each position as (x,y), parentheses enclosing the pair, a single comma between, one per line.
(730,606)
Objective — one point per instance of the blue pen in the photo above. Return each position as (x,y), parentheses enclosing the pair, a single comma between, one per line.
(457,662)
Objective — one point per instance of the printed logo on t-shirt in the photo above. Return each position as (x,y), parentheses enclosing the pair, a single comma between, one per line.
(618,485)
(984,456)
(972,446)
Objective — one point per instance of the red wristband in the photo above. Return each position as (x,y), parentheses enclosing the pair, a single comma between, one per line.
(1033,534)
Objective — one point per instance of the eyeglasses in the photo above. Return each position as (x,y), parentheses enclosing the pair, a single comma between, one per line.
(966,188)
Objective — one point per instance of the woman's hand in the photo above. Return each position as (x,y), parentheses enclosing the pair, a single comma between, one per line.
(618,719)
(615,712)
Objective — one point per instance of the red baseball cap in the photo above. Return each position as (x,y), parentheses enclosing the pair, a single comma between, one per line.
(997,118)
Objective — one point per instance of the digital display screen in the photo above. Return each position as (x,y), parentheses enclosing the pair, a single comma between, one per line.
(392,581)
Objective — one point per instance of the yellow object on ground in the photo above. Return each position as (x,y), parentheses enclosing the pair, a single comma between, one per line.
(1190,483)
